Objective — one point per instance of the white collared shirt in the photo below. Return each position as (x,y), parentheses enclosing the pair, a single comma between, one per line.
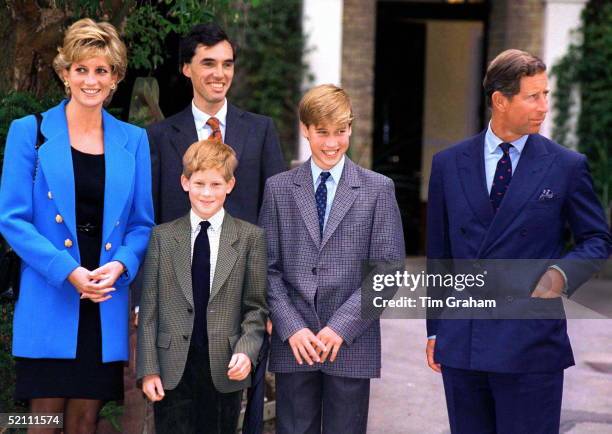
(331,184)
(214,235)
(200,118)
(493,152)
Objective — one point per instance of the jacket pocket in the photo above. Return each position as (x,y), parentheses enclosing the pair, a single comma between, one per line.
(163,340)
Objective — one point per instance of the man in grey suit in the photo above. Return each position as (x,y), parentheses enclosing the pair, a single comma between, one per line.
(207,58)
(323,221)
(203,304)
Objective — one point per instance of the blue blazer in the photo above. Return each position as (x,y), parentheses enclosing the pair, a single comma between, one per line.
(37,218)
(461,224)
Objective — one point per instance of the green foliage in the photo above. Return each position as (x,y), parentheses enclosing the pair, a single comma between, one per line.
(112,412)
(150,22)
(269,67)
(15,105)
(586,72)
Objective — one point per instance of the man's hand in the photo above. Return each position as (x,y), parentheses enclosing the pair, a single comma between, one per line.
(152,387)
(239,367)
(550,285)
(332,342)
(269,327)
(429,351)
(301,345)
(80,279)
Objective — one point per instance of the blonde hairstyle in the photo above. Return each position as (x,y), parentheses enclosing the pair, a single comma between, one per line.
(85,39)
(210,154)
(326,104)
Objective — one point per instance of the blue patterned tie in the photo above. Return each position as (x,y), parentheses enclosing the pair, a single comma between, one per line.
(321,198)
(503,176)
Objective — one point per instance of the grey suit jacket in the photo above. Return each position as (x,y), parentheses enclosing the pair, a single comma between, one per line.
(316,282)
(237,307)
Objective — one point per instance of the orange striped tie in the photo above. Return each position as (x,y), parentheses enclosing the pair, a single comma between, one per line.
(213,123)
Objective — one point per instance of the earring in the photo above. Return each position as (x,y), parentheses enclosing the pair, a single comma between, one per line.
(66,84)
(113,86)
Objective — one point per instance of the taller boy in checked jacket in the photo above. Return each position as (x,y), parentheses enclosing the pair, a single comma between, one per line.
(323,219)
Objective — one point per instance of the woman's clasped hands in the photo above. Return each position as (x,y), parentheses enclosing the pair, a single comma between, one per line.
(96,285)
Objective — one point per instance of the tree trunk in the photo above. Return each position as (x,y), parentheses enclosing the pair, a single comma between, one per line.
(32,32)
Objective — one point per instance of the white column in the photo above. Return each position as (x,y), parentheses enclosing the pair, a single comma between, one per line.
(322,26)
(561,17)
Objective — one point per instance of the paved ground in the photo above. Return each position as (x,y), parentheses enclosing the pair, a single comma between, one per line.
(409,398)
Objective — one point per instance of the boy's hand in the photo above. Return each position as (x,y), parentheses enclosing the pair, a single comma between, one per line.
(301,345)
(332,342)
(240,367)
(152,387)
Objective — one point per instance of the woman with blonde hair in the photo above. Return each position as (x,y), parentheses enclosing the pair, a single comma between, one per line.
(78,211)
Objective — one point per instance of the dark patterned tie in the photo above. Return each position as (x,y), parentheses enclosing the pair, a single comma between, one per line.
(213,123)
(200,282)
(502,178)
(321,198)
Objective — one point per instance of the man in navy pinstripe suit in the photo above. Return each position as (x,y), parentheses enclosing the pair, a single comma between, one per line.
(323,220)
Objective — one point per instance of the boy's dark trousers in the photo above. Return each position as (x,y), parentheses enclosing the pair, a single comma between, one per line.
(195,406)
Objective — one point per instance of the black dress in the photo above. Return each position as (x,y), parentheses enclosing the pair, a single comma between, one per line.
(86,376)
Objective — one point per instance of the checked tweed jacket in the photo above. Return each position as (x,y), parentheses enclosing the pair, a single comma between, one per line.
(237,308)
(315,282)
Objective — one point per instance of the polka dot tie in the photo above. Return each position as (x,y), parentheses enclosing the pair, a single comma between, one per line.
(213,123)
(503,176)
(321,198)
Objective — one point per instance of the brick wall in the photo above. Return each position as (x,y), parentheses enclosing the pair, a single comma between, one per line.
(358,39)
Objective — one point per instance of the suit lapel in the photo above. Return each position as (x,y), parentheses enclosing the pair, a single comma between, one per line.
(529,173)
(470,164)
(303,194)
(120,167)
(227,256)
(183,132)
(181,258)
(346,193)
(236,129)
(55,161)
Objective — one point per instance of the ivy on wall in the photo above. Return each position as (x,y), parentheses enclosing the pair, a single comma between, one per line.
(585,72)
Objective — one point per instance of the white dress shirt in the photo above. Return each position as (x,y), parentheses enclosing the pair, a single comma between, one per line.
(214,235)
(200,118)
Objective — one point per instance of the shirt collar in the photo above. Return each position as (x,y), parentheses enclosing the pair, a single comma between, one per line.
(492,141)
(335,172)
(215,221)
(201,118)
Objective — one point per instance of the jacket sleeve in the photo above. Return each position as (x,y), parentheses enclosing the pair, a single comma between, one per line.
(285,317)
(17,206)
(386,246)
(140,220)
(254,306)
(589,228)
(147,362)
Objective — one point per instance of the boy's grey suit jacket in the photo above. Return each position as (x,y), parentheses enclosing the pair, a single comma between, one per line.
(316,282)
(237,307)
